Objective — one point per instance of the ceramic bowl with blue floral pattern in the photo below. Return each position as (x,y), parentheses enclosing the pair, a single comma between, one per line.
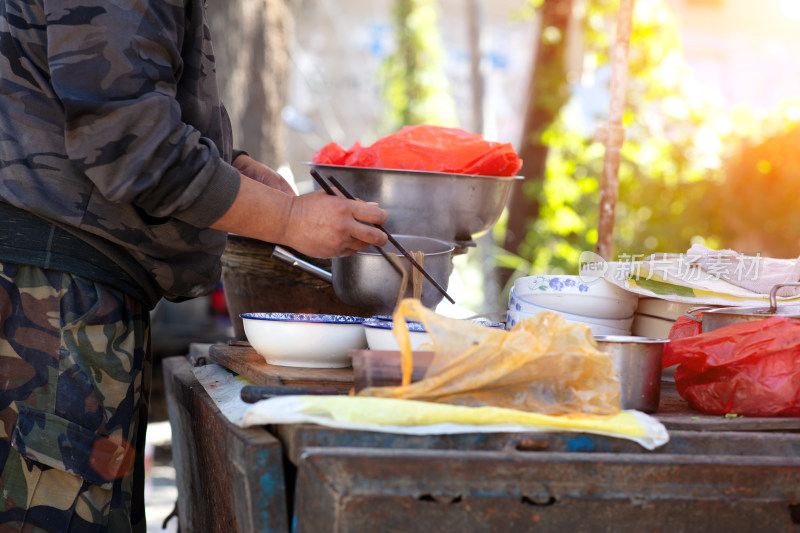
(578,295)
(303,339)
(519,304)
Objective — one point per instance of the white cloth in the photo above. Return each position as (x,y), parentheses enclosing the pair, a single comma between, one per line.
(225,388)
(755,273)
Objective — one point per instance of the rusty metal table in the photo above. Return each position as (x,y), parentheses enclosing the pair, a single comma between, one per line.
(311,478)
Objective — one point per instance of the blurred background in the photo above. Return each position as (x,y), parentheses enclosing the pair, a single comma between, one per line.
(712,107)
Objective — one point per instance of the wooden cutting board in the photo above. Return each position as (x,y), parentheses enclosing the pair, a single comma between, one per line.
(245,361)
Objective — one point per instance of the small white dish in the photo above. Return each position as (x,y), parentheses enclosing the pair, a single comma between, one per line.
(304,340)
(380,335)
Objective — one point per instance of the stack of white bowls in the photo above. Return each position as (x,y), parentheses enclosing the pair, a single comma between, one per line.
(596,302)
(655,317)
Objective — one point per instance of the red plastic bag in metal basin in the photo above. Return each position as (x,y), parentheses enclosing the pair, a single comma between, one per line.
(428,148)
(749,369)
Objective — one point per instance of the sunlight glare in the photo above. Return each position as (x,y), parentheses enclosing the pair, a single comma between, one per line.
(791,8)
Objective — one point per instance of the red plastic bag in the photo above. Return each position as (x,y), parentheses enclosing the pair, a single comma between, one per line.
(749,369)
(684,326)
(429,148)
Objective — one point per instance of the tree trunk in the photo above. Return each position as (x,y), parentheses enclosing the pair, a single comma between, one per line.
(250,45)
(613,135)
(547,93)
(474,29)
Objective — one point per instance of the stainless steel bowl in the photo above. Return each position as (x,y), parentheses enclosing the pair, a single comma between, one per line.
(450,207)
(719,318)
(713,318)
(367,281)
(637,361)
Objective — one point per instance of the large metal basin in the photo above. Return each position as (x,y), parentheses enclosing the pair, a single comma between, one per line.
(450,207)
(368,281)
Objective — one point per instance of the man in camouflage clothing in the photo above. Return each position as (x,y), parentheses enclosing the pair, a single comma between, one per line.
(118,185)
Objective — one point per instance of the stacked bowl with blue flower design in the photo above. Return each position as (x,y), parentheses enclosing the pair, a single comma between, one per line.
(606,308)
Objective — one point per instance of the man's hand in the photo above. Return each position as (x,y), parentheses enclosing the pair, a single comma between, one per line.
(262,174)
(319,225)
(314,224)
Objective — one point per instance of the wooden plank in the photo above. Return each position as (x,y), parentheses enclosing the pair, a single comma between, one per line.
(295,438)
(245,361)
(676,414)
(377,489)
(228,478)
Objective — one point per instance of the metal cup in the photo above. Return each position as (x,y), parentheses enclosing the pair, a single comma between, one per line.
(637,361)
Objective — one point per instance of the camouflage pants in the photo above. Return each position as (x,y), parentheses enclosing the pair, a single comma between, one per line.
(74,384)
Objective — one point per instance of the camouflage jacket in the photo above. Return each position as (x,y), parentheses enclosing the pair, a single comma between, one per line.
(112,128)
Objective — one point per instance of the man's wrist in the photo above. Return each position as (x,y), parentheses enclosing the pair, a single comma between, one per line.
(237,153)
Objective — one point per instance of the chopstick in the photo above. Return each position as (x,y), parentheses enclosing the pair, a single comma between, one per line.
(397,245)
(322,183)
(330,192)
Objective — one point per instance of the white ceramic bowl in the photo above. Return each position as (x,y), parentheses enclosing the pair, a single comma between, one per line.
(517,303)
(579,295)
(516,316)
(304,340)
(659,308)
(381,337)
(650,326)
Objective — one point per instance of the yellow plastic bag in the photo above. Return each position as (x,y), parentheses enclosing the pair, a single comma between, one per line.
(544,365)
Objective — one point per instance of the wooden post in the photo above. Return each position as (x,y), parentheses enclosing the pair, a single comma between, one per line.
(612,135)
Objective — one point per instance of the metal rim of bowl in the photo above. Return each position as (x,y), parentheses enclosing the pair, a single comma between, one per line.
(414,171)
(308,318)
(376,322)
(450,247)
(632,339)
(388,325)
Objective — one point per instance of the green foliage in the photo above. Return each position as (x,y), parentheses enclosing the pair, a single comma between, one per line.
(670,160)
(690,171)
(415,86)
